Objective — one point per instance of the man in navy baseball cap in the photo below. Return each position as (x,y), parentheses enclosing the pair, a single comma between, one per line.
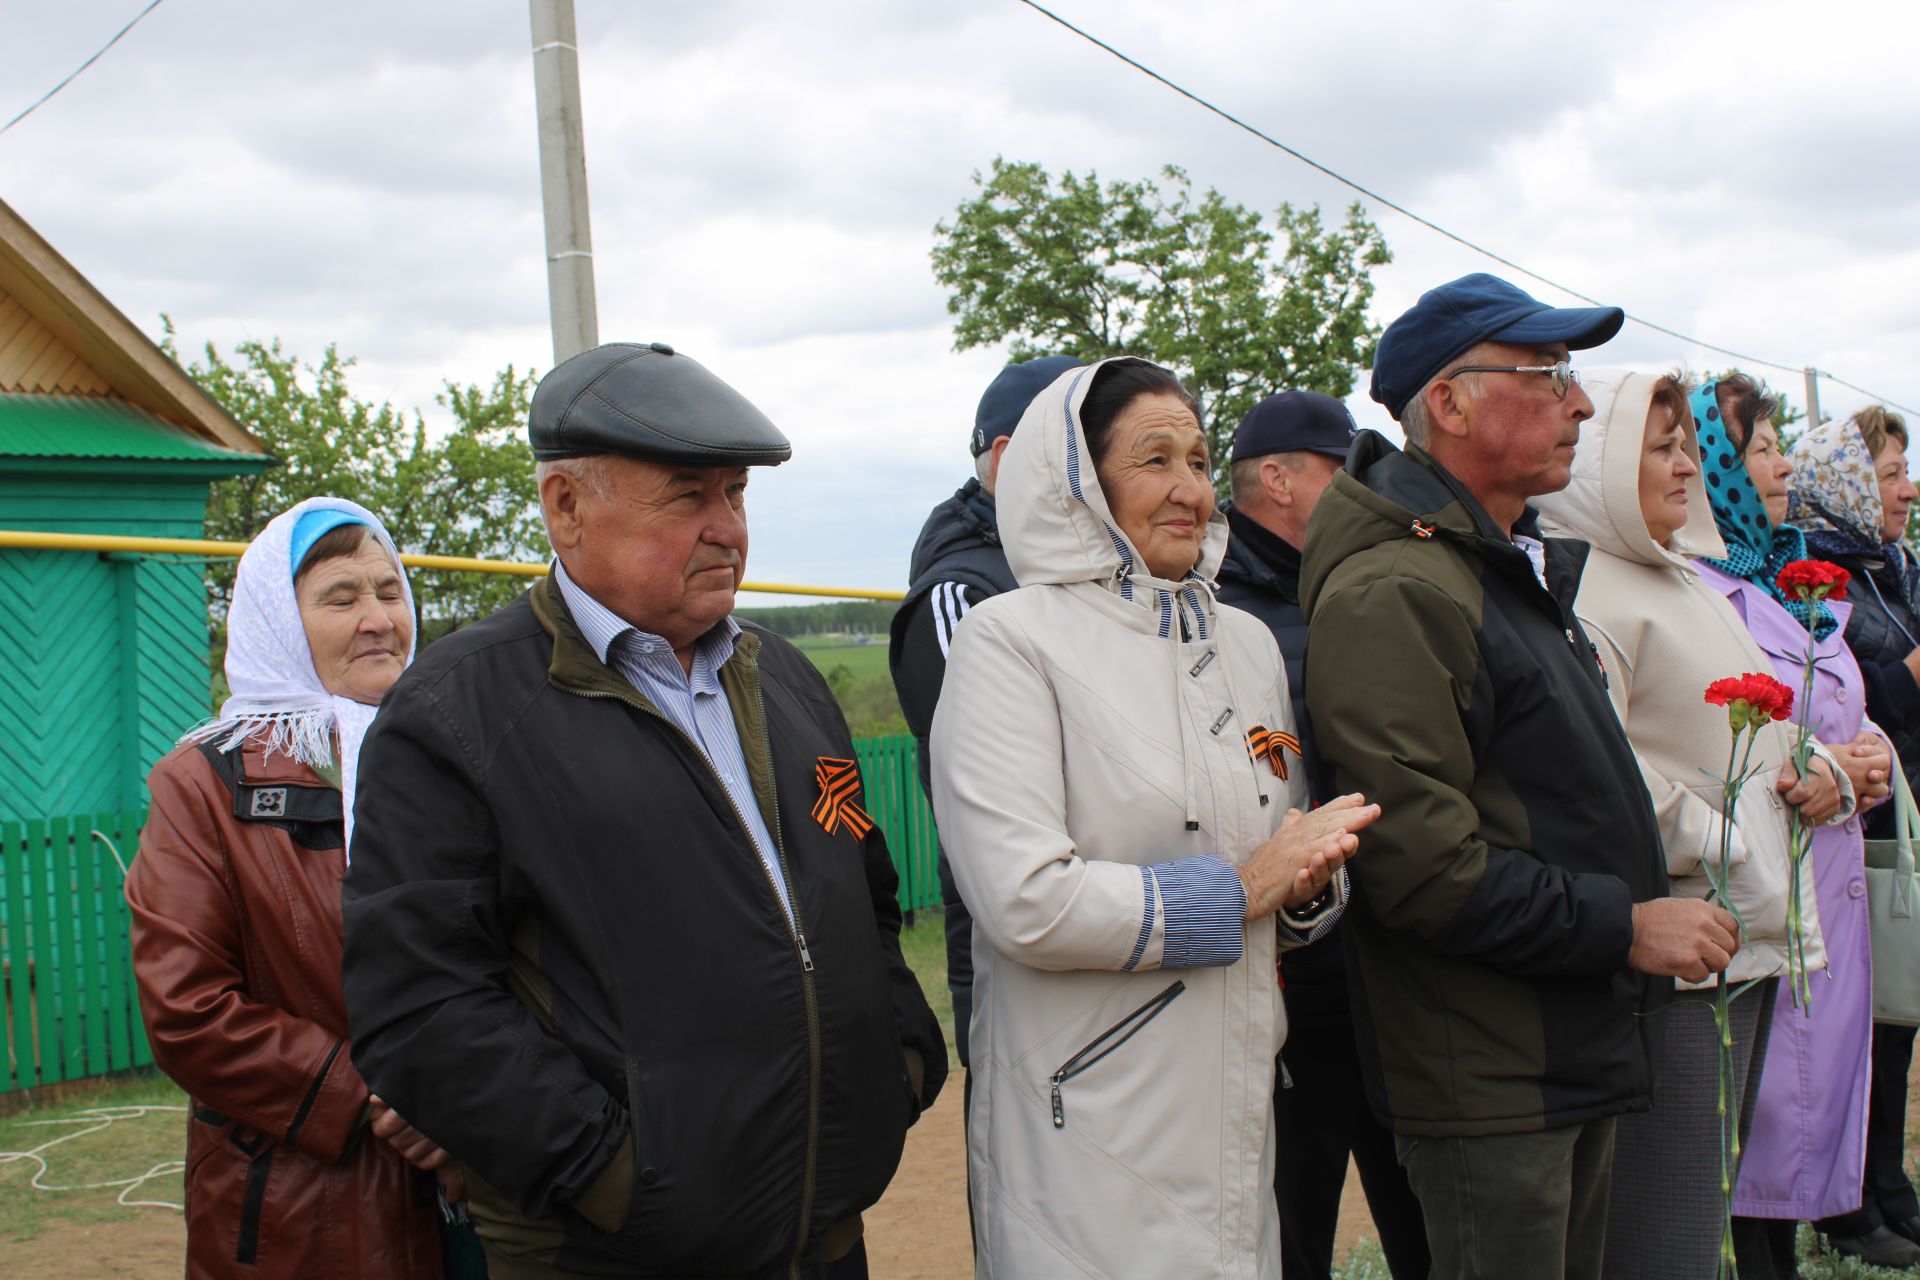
(1510,935)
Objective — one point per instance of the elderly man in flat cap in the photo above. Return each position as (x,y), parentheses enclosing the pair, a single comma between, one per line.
(619,933)
(1511,938)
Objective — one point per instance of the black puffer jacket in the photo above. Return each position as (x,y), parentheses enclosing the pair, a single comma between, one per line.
(1261,574)
(1882,630)
(566,963)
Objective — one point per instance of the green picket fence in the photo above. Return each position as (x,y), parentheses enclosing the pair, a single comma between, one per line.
(66,974)
(890,780)
(70,1006)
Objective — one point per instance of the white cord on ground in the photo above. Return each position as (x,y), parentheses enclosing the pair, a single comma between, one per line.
(94,1120)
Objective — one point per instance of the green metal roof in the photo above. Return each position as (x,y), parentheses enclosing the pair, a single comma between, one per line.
(85,427)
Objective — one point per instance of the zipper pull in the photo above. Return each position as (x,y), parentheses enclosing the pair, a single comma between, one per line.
(1059,1112)
(1286,1076)
(806,956)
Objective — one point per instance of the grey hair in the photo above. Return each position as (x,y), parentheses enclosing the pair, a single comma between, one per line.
(983,466)
(589,471)
(1413,415)
(1243,478)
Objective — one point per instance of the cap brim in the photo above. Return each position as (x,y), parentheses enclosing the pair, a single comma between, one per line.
(1578,327)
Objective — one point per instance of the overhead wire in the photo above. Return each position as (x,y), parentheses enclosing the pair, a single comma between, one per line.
(1428,223)
(75,73)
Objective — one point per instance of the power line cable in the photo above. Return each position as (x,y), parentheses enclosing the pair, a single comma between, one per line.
(75,73)
(1428,223)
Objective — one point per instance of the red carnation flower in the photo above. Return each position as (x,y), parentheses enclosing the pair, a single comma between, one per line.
(1814,580)
(1751,700)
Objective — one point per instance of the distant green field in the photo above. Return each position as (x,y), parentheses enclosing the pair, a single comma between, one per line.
(829,652)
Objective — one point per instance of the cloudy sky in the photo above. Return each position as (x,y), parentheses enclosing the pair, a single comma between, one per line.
(765,179)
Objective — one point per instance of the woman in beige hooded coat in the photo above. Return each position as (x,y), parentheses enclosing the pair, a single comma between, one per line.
(1116,777)
(1663,636)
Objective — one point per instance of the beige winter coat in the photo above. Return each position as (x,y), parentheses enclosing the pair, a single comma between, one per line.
(1663,636)
(1094,791)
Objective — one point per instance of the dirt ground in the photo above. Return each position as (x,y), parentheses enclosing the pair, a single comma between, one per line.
(918,1232)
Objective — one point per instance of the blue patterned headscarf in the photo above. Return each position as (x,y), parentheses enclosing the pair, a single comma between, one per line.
(1756,550)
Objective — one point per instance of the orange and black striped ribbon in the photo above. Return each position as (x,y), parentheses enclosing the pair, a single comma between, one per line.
(839,783)
(1272,746)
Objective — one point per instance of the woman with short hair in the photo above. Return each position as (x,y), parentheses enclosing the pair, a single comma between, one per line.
(293,1169)
(1117,783)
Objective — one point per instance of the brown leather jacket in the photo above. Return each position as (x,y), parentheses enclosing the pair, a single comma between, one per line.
(236,946)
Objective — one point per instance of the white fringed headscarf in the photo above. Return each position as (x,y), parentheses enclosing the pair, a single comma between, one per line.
(274,687)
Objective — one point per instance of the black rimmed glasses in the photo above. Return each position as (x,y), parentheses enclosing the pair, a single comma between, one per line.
(1563,374)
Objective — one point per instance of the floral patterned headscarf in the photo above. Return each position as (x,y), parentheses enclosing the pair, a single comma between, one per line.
(1836,501)
(1757,550)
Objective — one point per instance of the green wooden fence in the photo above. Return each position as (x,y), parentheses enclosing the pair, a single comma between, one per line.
(68,979)
(66,974)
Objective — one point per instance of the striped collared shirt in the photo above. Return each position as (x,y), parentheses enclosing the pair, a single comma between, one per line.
(696,701)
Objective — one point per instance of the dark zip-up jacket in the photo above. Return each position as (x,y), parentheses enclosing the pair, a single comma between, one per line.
(1882,630)
(960,545)
(567,965)
(1495,894)
(1261,574)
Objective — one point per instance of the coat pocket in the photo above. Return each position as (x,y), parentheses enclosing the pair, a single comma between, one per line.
(1101,1046)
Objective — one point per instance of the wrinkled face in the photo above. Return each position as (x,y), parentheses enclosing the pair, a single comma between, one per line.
(1897,492)
(1521,430)
(357,622)
(1157,482)
(1665,467)
(664,548)
(1768,470)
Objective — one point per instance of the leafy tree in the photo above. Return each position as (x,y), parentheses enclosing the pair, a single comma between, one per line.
(468,493)
(1071,266)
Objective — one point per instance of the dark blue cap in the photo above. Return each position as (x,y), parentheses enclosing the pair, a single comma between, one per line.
(1009,394)
(1295,422)
(1465,312)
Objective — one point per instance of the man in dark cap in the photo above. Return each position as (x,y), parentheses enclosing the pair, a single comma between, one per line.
(1509,944)
(619,933)
(957,562)
(1285,454)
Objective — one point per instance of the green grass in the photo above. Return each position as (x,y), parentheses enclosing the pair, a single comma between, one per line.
(924,943)
(129,1145)
(863,660)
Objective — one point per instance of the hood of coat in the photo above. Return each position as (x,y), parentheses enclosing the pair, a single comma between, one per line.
(967,519)
(1601,504)
(1055,524)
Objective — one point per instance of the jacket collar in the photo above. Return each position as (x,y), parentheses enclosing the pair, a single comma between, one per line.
(1260,557)
(577,667)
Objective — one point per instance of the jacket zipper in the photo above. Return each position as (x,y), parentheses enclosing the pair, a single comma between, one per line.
(1105,1043)
(810,1176)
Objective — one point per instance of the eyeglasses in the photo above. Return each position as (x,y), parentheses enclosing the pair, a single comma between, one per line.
(1563,374)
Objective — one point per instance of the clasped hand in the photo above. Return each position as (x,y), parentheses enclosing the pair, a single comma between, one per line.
(1299,861)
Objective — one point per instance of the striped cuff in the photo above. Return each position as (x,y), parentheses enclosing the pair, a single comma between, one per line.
(1204,909)
(1309,929)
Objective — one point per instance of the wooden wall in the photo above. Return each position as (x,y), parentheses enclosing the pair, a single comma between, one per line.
(33,360)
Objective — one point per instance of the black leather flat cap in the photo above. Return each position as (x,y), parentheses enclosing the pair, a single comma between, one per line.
(646,401)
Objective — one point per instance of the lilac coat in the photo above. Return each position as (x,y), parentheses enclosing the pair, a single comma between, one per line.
(1809,1142)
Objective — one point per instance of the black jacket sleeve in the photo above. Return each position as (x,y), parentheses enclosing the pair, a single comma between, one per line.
(920,671)
(436,1031)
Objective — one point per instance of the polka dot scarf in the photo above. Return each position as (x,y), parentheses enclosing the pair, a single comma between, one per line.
(1756,550)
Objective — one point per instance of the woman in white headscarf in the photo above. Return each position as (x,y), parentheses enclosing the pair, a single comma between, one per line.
(293,1169)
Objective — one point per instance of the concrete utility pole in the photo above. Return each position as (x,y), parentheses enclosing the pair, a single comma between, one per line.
(1813,397)
(563,179)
